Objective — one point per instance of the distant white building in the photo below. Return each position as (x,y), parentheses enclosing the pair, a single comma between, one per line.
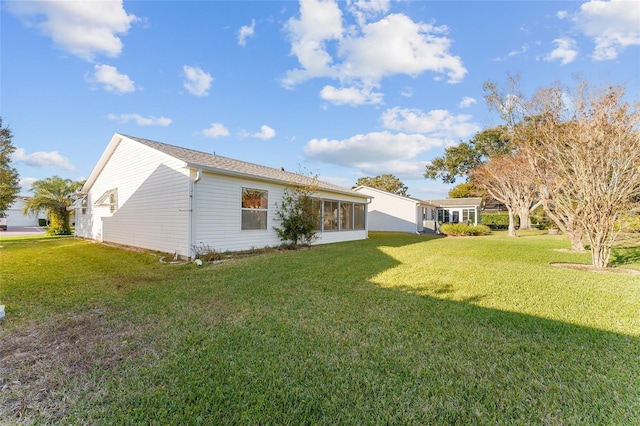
(397,213)
(162,197)
(16,216)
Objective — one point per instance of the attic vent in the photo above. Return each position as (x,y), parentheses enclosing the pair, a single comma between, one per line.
(282,169)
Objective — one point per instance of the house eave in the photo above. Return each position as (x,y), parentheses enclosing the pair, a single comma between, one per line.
(236,174)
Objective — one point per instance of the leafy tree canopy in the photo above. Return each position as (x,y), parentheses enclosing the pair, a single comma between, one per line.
(385,182)
(467,189)
(459,160)
(9,178)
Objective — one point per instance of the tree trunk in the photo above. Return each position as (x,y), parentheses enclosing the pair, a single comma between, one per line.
(525,218)
(600,255)
(575,238)
(512,223)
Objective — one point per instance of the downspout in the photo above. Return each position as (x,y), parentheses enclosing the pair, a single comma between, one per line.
(192,192)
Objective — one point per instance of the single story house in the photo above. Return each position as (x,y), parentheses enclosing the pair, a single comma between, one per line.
(16,217)
(458,210)
(398,213)
(163,197)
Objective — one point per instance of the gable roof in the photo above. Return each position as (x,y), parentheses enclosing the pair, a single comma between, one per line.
(457,202)
(401,197)
(222,165)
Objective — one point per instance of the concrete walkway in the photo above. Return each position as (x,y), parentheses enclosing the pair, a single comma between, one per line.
(20,231)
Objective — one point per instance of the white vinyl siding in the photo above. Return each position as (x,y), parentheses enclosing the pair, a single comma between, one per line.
(152,201)
(218,215)
(392,212)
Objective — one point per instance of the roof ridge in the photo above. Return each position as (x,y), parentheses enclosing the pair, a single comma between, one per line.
(239,166)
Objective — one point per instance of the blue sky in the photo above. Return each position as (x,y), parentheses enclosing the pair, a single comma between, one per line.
(339,89)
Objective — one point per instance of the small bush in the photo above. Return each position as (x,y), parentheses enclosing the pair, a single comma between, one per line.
(206,253)
(496,220)
(459,229)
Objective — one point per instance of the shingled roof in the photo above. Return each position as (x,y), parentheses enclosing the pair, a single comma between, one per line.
(229,166)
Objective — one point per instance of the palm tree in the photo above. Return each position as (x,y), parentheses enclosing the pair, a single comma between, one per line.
(53,195)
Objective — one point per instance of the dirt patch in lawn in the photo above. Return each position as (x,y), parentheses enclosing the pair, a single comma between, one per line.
(590,268)
(45,367)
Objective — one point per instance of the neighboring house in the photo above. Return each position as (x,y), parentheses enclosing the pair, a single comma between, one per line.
(458,210)
(397,213)
(16,216)
(162,197)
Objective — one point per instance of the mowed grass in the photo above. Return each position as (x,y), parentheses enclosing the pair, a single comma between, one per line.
(397,329)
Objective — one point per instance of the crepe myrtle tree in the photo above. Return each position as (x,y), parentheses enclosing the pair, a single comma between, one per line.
(53,196)
(584,144)
(507,178)
(298,214)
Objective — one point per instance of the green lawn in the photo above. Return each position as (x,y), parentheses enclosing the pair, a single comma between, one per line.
(397,329)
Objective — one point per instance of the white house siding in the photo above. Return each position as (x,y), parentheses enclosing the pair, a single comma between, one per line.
(218,214)
(391,212)
(16,217)
(153,201)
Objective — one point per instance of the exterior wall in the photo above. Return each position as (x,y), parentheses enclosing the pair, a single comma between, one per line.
(16,217)
(391,212)
(452,211)
(218,216)
(153,201)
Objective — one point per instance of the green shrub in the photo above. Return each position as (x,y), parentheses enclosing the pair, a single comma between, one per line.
(459,229)
(629,224)
(496,220)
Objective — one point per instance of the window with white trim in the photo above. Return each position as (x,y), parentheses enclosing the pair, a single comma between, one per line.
(255,203)
(330,215)
(358,216)
(346,216)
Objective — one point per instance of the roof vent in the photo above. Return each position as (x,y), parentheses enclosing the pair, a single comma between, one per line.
(282,169)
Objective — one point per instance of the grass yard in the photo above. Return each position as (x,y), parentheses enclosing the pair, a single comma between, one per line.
(397,329)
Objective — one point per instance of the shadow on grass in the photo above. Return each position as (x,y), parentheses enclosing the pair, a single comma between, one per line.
(625,255)
(308,338)
(336,349)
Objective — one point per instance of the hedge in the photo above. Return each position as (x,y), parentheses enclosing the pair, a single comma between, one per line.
(460,229)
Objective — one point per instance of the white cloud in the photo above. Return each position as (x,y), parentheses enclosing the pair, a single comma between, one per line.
(112,80)
(41,159)
(367,9)
(366,53)
(198,81)
(613,25)
(407,91)
(320,22)
(565,51)
(437,123)
(216,130)
(140,120)
(398,45)
(374,153)
(561,14)
(265,133)
(350,96)
(466,102)
(26,184)
(246,31)
(83,28)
